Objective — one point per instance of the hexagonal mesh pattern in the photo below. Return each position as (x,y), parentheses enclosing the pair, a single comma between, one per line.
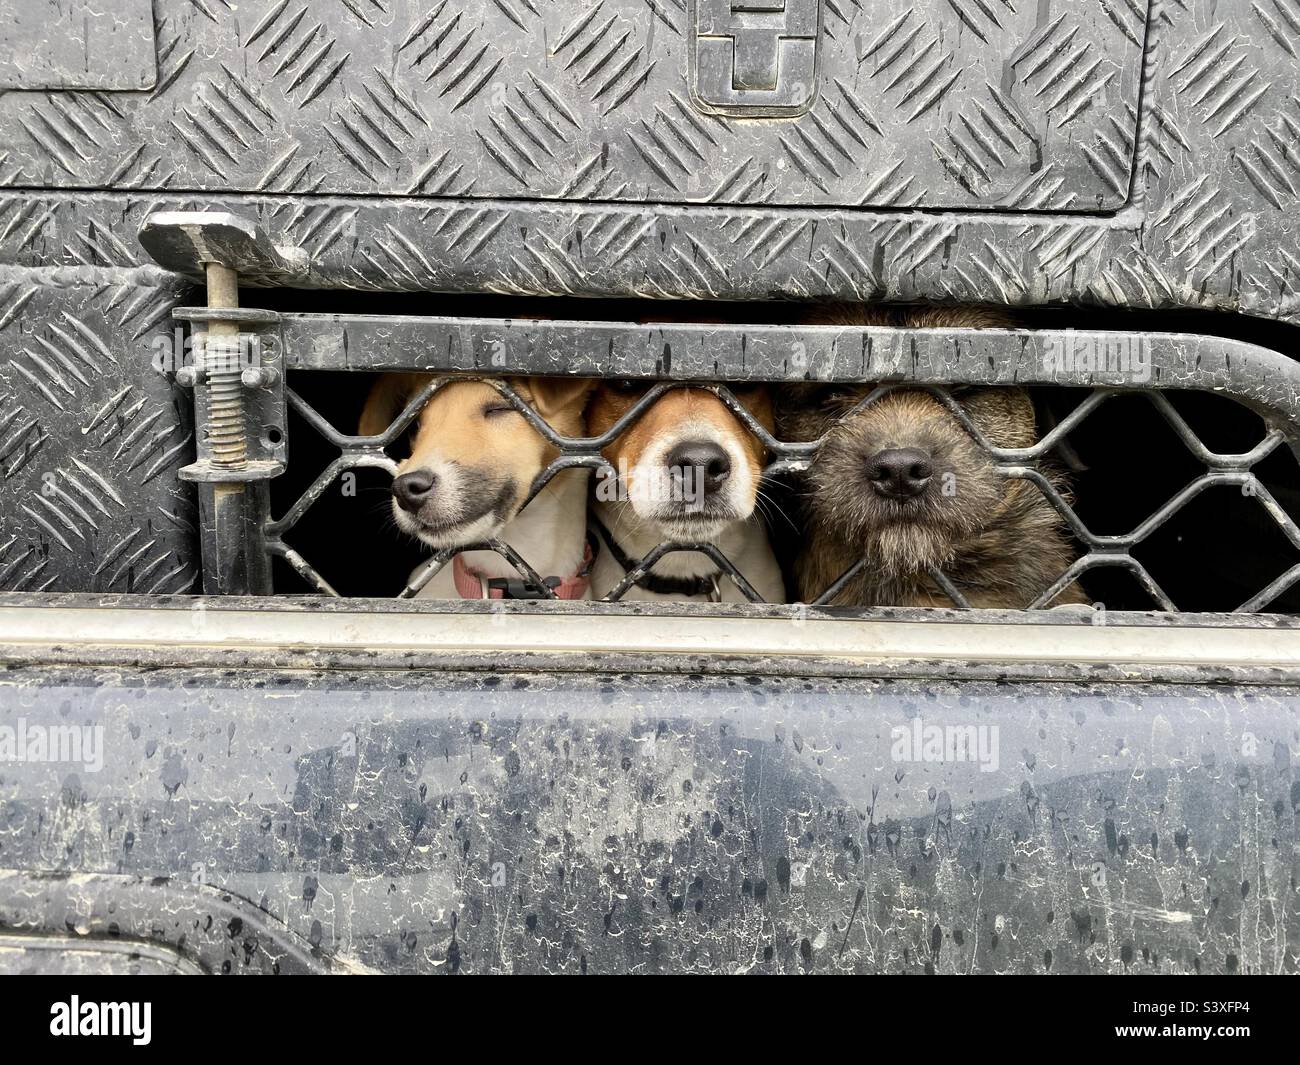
(1111,550)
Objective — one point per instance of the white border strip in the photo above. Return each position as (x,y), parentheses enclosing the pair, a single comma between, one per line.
(853,640)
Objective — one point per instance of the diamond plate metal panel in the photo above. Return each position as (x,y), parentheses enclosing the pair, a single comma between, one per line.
(90,437)
(942,103)
(1212,222)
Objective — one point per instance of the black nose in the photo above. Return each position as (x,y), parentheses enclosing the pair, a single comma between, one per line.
(412,490)
(710,460)
(900,473)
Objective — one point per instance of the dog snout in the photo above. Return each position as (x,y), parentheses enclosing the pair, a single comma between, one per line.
(900,473)
(412,490)
(710,461)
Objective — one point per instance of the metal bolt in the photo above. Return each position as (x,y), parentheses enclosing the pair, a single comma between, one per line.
(227,434)
(259,376)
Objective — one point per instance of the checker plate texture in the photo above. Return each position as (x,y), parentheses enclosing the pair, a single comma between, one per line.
(1210,222)
(942,103)
(90,437)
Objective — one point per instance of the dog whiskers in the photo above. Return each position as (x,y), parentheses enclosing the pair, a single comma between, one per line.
(768,505)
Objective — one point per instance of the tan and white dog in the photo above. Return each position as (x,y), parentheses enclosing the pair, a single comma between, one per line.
(688,471)
(473,461)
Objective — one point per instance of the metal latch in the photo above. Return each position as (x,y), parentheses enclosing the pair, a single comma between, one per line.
(756,57)
(236,371)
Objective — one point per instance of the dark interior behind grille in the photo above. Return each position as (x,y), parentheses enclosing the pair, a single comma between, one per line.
(1125,460)
(1212,555)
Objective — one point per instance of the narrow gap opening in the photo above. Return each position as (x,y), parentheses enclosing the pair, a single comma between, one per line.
(1125,460)
(1213,554)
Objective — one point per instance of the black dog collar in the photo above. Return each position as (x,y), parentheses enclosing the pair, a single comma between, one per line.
(654,582)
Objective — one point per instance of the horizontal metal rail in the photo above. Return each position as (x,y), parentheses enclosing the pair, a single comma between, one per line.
(1265,380)
(303,632)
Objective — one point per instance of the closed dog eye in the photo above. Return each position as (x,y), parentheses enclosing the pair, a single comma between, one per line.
(840,394)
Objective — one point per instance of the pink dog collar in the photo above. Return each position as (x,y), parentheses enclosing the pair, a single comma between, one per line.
(471,584)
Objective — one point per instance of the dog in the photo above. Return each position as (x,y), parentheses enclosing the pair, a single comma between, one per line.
(473,460)
(689,471)
(904,486)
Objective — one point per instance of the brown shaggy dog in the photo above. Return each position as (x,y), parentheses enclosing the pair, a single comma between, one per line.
(903,485)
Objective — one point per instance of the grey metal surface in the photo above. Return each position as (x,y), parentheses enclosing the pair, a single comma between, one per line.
(185,240)
(49,954)
(932,104)
(91,435)
(78,44)
(1267,381)
(507,822)
(310,632)
(1208,221)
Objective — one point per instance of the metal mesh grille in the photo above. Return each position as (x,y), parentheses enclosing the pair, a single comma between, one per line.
(785,457)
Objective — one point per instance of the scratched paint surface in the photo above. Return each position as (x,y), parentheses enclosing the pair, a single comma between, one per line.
(550,823)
